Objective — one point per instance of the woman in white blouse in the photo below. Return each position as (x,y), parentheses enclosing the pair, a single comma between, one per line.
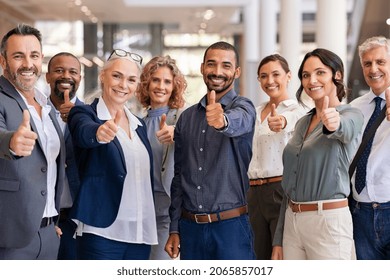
(114,209)
(274,126)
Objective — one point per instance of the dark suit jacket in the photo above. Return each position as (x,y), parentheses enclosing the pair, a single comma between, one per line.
(23,180)
(71,167)
(102,168)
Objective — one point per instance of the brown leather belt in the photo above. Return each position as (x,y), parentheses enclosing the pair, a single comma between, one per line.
(298,207)
(259,182)
(205,218)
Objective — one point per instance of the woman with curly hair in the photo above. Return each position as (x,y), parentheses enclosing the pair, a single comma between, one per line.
(161,92)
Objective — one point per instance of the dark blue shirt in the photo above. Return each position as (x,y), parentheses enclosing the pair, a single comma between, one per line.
(211,166)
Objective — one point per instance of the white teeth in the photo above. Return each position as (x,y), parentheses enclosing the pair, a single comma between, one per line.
(27,73)
(272,87)
(121,93)
(66,85)
(375,77)
(315,88)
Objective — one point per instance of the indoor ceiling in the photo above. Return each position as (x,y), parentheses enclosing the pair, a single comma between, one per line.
(179,16)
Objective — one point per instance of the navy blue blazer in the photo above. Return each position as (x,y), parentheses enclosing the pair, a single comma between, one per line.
(102,168)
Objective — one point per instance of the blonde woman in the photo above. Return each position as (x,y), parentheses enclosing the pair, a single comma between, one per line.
(114,209)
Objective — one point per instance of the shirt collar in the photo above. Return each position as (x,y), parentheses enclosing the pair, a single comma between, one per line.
(373,95)
(104,114)
(39,97)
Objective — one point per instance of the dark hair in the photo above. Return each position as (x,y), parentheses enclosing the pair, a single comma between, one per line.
(21,29)
(176,100)
(331,60)
(221,45)
(61,54)
(274,57)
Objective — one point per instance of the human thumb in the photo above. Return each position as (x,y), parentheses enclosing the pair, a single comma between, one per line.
(325,103)
(118,117)
(162,121)
(387,96)
(211,98)
(273,110)
(26,120)
(66,96)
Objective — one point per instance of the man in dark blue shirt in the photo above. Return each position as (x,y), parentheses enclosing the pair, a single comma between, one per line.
(213,148)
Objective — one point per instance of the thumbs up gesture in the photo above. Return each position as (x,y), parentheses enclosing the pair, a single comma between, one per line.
(165,134)
(276,122)
(387,96)
(107,131)
(329,116)
(66,106)
(23,140)
(214,112)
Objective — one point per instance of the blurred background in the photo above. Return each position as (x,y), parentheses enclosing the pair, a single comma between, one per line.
(90,29)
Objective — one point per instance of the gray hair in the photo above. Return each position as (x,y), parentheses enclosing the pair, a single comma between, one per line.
(372,43)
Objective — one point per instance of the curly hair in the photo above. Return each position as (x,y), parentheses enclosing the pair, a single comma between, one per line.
(179,83)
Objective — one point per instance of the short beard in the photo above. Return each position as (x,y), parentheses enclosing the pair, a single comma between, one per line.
(14,78)
(60,94)
(209,77)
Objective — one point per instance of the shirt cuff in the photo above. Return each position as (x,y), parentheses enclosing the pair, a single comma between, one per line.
(226,124)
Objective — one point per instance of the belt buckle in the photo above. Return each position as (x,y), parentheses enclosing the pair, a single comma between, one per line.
(261,182)
(199,222)
(46,222)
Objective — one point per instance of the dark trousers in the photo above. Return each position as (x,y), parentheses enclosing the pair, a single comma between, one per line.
(67,250)
(94,247)
(230,239)
(264,206)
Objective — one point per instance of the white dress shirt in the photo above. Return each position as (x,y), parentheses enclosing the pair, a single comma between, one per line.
(268,146)
(50,141)
(378,166)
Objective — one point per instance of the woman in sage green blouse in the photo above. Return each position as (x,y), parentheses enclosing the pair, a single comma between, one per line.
(315,222)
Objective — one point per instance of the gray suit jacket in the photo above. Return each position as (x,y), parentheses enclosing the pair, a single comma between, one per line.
(168,154)
(23,180)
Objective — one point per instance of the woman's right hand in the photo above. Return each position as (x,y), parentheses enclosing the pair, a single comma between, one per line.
(276,122)
(277,253)
(107,131)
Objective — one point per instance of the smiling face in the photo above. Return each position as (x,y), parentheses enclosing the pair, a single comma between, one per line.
(160,87)
(63,73)
(317,79)
(219,71)
(23,62)
(119,81)
(273,80)
(376,69)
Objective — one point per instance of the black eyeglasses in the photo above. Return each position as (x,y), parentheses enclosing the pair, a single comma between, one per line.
(123,53)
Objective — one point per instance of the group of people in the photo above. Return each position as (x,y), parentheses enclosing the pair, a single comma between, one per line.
(220,179)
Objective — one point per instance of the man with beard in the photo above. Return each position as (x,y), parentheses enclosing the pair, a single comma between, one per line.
(32,157)
(63,76)
(213,148)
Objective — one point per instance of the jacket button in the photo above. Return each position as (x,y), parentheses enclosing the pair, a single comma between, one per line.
(43,193)
(43,169)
